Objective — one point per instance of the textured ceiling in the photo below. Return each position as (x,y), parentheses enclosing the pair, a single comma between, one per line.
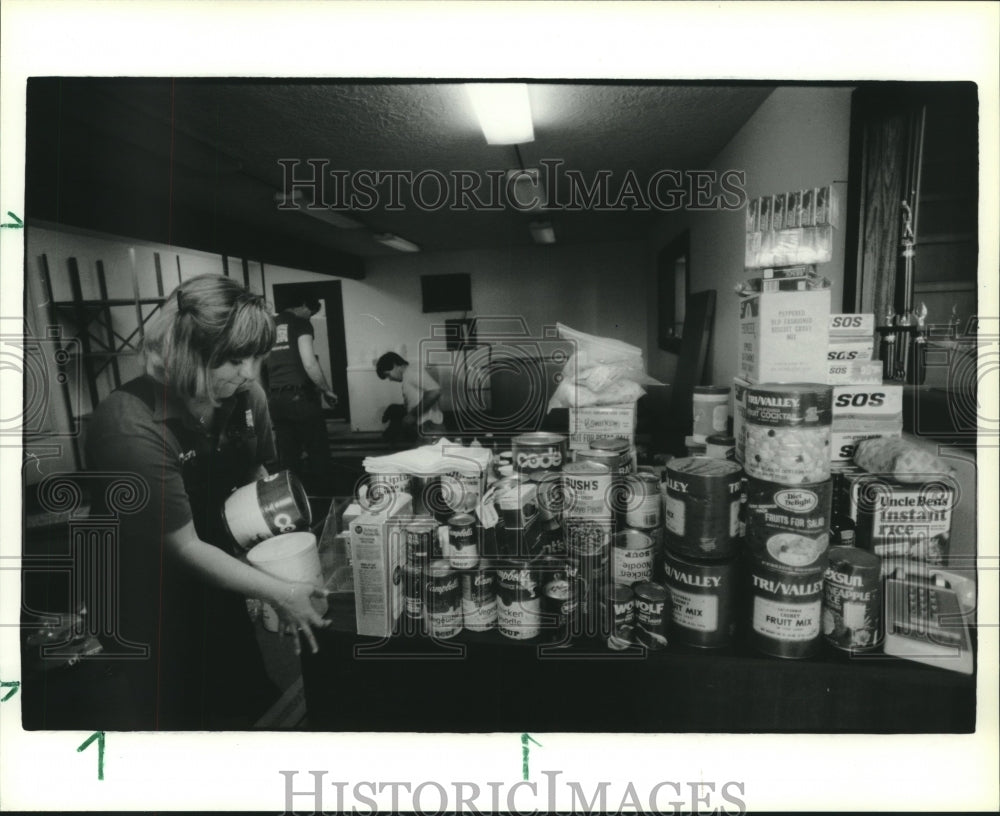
(200,158)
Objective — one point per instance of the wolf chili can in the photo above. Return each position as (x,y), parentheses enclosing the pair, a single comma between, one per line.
(703,597)
(444,601)
(621,611)
(479,598)
(587,491)
(786,609)
(651,614)
(462,543)
(701,510)
(536,453)
(788,526)
(852,600)
(519,601)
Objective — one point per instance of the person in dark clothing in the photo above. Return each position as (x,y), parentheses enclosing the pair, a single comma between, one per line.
(297,387)
(194,427)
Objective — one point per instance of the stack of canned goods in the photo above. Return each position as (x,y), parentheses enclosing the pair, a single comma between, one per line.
(788,494)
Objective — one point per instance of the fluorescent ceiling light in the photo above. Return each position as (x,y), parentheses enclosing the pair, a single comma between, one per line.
(394,241)
(503,111)
(296,200)
(542,232)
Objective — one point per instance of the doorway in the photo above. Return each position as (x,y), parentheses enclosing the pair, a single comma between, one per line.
(329,342)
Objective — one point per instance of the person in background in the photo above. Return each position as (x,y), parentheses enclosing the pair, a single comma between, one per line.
(194,427)
(297,387)
(421,394)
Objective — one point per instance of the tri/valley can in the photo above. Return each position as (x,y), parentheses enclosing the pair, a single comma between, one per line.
(703,596)
(444,601)
(519,601)
(479,599)
(701,511)
(852,600)
(787,431)
(651,614)
(786,609)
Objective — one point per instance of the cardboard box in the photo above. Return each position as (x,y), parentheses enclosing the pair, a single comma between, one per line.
(852,325)
(378,554)
(882,401)
(784,336)
(601,422)
(789,247)
(842,349)
(854,372)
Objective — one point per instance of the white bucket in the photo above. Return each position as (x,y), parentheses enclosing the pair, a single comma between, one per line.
(291,557)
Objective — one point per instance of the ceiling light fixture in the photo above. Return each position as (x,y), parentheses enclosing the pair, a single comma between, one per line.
(395,242)
(296,200)
(503,111)
(542,232)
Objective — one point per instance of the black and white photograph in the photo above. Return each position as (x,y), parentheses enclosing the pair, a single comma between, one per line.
(445,437)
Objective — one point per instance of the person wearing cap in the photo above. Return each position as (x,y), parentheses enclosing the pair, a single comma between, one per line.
(192,428)
(297,386)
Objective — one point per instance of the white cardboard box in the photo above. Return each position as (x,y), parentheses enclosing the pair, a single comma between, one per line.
(854,372)
(850,348)
(784,336)
(882,401)
(378,553)
(600,422)
(852,325)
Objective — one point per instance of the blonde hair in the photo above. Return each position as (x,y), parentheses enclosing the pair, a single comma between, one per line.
(205,322)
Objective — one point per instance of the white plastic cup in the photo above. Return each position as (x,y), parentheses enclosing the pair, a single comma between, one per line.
(291,557)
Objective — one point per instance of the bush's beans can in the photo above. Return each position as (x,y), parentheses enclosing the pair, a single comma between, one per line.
(631,557)
(519,602)
(651,614)
(644,510)
(479,599)
(549,498)
(421,541)
(788,432)
(536,453)
(788,526)
(709,410)
(786,609)
(464,548)
(703,597)
(587,491)
(517,533)
(702,507)
(720,446)
(621,601)
(561,605)
(444,601)
(852,600)
(617,445)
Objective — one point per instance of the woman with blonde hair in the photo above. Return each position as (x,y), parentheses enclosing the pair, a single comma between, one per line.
(193,427)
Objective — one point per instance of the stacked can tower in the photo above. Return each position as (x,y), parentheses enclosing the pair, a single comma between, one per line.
(788,503)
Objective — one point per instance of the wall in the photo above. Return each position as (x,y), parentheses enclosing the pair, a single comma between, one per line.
(799,137)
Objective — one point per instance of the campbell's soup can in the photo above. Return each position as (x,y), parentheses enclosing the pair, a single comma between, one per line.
(703,595)
(561,605)
(479,598)
(587,491)
(519,600)
(852,600)
(444,601)
(536,453)
(788,526)
(651,614)
(702,507)
(631,557)
(786,609)
(644,502)
(462,541)
(617,445)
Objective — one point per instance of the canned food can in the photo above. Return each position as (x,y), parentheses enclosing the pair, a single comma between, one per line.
(587,491)
(703,597)
(618,445)
(561,607)
(517,534)
(609,458)
(650,614)
(536,453)
(421,541)
(709,411)
(462,491)
(381,489)
(519,603)
(588,545)
(268,507)
(463,546)
(719,446)
(644,502)
(631,557)
(550,500)
(787,431)
(413,591)
(622,614)
(788,526)
(702,506)
(786,609)
(444,601)
(852,600)
(479,599)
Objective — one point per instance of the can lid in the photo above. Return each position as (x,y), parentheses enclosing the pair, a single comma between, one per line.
(586,468)
(650,590)
(539,438)
(631,539)
(615,443)
(622,593)
(711,389)
(702,466)
(439,567)
(462,520)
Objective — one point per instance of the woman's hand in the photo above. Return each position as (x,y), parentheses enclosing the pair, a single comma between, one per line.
(293,603)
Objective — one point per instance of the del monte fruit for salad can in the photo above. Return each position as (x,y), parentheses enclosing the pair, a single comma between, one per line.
(788,525)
